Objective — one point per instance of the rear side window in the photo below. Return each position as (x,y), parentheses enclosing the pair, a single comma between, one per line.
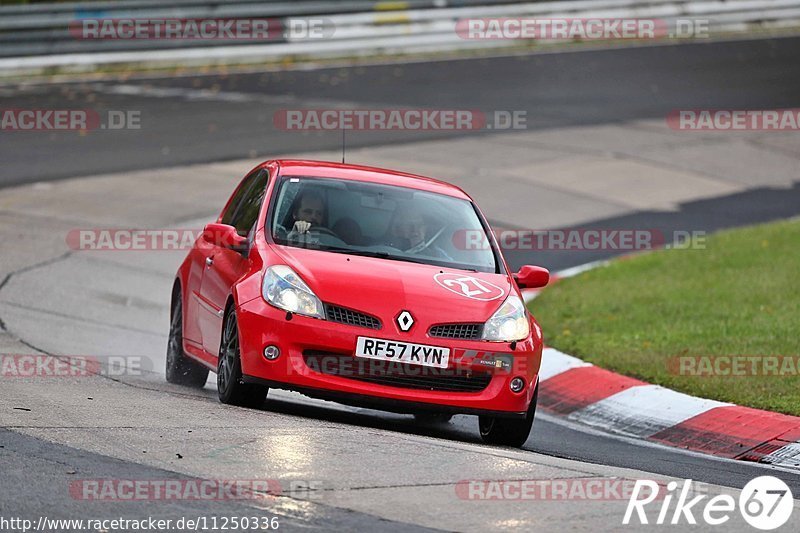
(242,212)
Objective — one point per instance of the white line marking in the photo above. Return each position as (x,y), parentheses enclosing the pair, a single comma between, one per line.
(580,269)
(190,94)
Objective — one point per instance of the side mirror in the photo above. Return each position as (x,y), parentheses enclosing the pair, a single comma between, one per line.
(224,235)
(532,277)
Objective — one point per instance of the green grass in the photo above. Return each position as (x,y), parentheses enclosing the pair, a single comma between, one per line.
(738,296)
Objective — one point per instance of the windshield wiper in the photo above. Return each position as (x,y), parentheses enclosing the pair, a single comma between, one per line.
(373,253)
(387,255)
(340,250)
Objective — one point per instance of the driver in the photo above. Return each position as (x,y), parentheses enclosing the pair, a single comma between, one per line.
(310,211)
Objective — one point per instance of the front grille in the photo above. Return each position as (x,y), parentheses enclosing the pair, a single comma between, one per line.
(457,331)
(334,313)
(396,374)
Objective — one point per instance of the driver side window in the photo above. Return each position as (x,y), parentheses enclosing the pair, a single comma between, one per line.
(242,212)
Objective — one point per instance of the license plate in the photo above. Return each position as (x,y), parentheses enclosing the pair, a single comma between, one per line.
(403,352)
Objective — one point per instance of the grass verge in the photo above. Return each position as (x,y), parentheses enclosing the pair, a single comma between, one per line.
(740,296)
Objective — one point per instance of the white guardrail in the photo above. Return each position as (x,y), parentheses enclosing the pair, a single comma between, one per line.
(42,36)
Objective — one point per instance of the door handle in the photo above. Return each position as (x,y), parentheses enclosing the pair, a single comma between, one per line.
(209,261)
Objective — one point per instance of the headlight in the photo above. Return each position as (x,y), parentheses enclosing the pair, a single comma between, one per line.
(509,323)
(284,289)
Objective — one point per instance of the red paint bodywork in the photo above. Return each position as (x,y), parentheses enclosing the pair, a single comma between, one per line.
(375,286)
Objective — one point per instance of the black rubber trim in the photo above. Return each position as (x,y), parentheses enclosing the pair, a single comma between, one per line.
(375,402)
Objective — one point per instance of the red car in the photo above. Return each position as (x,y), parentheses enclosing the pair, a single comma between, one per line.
(366,286)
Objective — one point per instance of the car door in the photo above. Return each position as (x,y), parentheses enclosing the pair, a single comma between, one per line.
(202,256)
(224,266)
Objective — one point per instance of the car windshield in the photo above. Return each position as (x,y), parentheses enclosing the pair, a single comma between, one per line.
(384,221)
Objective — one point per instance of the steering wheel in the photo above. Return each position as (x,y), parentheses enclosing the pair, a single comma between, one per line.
(323,230)
(280,231)
(425,244)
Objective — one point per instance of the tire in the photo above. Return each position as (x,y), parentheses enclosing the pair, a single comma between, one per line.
(181,370)
(230,387)
(433,418)
(508,431)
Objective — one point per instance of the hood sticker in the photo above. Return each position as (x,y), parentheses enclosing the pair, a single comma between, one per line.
(469,286)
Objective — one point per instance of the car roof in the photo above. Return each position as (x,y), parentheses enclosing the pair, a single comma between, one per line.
(329,169)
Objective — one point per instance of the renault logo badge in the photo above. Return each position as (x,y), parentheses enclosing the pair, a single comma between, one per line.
(405,321)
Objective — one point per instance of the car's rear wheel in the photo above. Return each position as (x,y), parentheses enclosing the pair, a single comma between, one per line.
(508,431)
(230,387)
(180,369)
(433,418)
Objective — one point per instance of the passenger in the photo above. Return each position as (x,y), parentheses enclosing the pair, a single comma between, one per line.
(409,231)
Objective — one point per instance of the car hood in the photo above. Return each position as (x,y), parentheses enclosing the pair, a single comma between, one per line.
(385,287)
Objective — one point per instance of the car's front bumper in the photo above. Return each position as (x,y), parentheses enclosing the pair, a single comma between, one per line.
(261,325)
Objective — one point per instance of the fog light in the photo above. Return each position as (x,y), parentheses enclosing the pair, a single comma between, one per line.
(271,353)
(517,384)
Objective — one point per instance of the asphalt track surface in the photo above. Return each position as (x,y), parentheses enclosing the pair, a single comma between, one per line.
(593,87)
(195,119)
(561,89)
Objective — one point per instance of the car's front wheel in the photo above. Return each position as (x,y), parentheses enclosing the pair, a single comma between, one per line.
(230,387)
(508,431)
(180,369)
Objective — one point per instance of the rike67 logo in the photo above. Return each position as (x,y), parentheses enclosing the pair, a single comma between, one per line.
(765,503)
